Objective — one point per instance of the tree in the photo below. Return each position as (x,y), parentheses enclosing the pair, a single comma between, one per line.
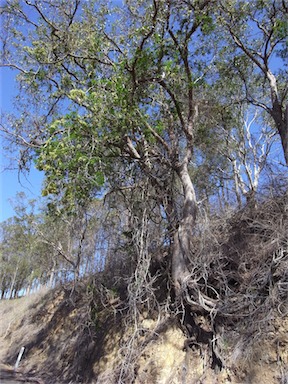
(19,266)
(257,37)
(71,242)
(119,98)
(247,149)
(47,248)
(111,87)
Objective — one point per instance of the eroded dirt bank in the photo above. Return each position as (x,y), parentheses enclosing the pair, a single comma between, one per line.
(68,339)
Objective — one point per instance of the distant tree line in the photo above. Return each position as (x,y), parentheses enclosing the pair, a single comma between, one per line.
(47,249)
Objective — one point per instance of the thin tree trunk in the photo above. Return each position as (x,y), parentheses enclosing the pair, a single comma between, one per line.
(13,283)
(29,288)
(52,275)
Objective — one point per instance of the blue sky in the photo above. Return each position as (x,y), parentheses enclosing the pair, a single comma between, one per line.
(11,181)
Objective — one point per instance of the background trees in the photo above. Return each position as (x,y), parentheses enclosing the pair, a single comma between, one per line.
(257,39)
(47,248)
(18,252)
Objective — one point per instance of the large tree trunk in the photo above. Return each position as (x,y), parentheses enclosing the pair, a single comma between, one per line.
(279,114)
(282,126)
(183,235)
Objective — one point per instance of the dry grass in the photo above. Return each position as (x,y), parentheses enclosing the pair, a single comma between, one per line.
(12,315)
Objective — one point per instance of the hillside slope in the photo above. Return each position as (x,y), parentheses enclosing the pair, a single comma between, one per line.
(229,325)
(64,345)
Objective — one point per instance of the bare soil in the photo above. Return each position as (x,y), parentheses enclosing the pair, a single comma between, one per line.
(63,346)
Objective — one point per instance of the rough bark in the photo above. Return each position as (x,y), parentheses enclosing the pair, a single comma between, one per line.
(279,114)
(282,126)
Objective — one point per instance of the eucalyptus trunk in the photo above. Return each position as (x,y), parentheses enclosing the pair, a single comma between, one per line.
(184,234)
(13,283)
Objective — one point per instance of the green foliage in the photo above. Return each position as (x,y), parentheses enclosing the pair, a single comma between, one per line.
(19,260)
(66,153)
(117,89)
